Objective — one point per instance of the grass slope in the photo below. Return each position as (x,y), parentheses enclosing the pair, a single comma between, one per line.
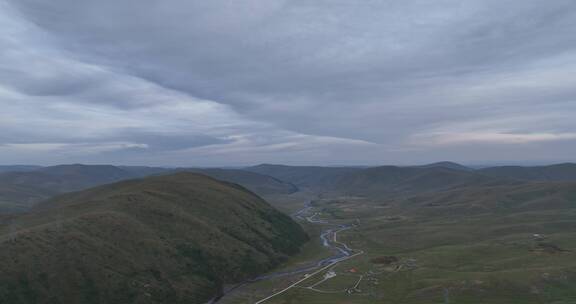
(256,182)
(313,177)
(522,254)
(165,239)
(21,190)
(392,180)
(558,172)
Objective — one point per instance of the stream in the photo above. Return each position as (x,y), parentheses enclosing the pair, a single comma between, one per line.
(328,239)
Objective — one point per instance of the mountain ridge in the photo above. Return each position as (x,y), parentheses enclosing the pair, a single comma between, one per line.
(180,236)
(21,190)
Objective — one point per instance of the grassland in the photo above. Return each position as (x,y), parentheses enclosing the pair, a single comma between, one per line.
(514,257)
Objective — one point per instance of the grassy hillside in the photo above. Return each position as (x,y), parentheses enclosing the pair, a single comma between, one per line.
(18,168)
(255,182)
(21,190)
(438,235)
(15,198)
(392,180)
(501,199)
(81,176)
(381,181)
(510,244)
(448,165)
(319,178)
(258,183)
(165,239)
(558,172)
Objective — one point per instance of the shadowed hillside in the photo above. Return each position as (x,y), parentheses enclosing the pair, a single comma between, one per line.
(21,190)
(319,178)
(392,180)
(166,239)
(16,198)
(448,165)
(258,183)
(381,181)
(18,168)
(497,199)
(558,172)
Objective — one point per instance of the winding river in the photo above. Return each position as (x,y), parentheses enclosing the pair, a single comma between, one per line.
(328,237)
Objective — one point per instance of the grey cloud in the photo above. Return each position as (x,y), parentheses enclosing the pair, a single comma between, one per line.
(383,72)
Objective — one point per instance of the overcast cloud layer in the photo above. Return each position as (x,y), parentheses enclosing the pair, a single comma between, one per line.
(234,82)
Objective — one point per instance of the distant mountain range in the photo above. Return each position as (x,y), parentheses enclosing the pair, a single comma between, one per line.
(391,180)
(164,239)
(496,199)
(127,234)
(19,190)
(558,172)
(28,185)
(19,168)
(314,177)
(447,165)
(258,183)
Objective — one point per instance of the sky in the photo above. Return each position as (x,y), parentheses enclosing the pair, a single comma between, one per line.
(328,82)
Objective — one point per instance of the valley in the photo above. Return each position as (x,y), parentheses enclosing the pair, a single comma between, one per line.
(441,233)
(287,152)
(527,257)
(22,187)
